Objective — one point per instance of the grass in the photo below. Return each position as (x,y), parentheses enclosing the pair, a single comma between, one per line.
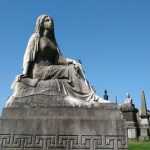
(139,145)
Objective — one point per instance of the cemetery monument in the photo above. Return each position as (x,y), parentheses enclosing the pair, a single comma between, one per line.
(53,105)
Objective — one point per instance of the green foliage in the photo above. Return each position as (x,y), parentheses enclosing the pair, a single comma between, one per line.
(139,145)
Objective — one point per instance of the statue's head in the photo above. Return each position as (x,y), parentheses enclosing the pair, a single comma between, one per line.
(44,22)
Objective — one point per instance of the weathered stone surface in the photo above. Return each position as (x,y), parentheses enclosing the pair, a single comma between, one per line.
(145,126)
(21,89)
(62,128)
(143,104)
(144,134)
(45,100)
(53,106)
(129,113)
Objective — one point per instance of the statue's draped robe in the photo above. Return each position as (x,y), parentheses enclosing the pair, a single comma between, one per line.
(69,80)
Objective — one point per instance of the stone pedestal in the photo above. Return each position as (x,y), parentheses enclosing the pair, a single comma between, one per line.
(90,127)
(144,134)
(144,128)
(131,124)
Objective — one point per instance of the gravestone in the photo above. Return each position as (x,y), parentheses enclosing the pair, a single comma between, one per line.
(129,113)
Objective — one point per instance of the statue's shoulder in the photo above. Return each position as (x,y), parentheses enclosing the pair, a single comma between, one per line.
(34,37)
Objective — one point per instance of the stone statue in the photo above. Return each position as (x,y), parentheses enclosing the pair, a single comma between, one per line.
(44,63)
(53,106)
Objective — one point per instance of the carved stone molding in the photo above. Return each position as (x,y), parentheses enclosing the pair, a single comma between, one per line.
(66,142)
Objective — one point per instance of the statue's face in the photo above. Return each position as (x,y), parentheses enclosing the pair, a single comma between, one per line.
(48,23)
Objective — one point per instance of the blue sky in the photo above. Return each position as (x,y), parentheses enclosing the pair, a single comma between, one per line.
(111,37)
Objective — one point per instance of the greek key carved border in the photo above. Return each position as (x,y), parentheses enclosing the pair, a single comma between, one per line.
(66,142)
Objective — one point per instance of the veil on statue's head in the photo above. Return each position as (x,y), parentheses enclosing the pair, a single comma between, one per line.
(39,29)
(39,24)
(31,51)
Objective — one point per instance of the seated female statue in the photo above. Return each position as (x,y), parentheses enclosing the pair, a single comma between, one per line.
(44,61)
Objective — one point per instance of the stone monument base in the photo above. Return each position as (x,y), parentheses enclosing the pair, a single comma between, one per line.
(132,130)
(62,128)
(144,133)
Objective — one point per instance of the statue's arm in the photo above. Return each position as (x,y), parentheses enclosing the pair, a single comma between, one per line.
(65,61)
(62,60)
